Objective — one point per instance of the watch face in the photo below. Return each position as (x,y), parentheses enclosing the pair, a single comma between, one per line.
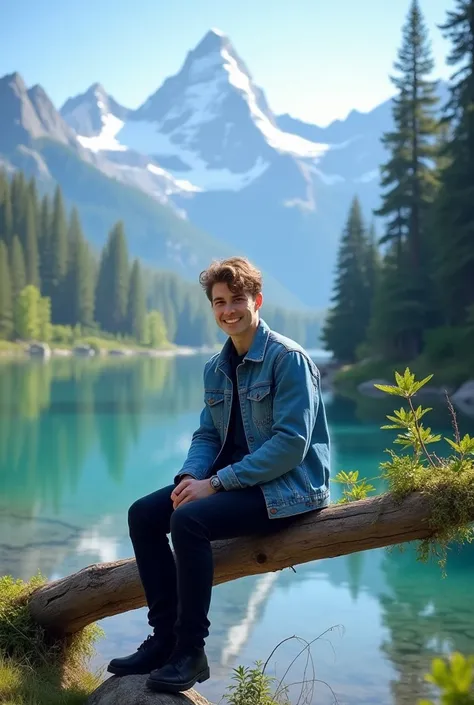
(215,482)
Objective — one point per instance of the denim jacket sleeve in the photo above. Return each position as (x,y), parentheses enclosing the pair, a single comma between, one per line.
(295,407)
(204,449)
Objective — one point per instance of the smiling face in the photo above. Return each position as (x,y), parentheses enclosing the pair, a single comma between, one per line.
(236,313)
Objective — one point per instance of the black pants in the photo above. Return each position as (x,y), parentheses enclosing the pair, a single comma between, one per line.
(178,593)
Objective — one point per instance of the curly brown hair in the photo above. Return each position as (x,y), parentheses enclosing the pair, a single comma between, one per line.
(238,273)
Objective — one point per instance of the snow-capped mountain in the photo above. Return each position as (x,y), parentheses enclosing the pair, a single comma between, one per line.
(89,113)
(239,173)
(208,145)
(209,123)
(35,138)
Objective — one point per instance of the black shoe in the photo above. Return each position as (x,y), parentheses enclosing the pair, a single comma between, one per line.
(182,671)
(152,654)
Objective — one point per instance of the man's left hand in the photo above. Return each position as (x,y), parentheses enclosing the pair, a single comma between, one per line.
(189,490)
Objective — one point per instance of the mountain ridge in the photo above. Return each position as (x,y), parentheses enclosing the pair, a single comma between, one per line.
(207,146)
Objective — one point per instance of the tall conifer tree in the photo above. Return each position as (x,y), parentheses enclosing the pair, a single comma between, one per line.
(136,312)
(57,260)
(79,287)
(31,243)
(6,305)
(346,325)
(113,283)
(409,176)
(17,268)
(455,215)
(6,214)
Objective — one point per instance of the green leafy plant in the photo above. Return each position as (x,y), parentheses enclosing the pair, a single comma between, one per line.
(355,489)
(454,678)
(253,687)
(446,482)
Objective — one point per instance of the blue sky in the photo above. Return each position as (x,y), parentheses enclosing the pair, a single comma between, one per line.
(316,59)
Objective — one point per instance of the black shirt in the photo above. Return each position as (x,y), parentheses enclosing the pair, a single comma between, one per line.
(235,446)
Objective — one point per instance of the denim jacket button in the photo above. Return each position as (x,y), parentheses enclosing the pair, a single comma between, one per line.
(273,510)
(251,439)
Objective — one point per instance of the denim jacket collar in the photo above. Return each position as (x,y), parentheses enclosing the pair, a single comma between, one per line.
(257,348)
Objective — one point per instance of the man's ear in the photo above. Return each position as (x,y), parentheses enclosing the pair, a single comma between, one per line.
(258,301)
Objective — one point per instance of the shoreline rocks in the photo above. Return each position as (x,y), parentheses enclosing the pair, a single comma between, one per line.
(131,690)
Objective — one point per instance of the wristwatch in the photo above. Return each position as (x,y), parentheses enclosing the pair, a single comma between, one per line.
(216,484)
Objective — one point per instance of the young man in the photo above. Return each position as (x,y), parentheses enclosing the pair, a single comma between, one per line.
(259,458)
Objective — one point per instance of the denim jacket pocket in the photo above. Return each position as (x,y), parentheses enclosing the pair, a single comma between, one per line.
(260,400)
(215,403)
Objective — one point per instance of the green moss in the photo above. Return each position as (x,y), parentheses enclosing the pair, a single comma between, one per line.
(36,669)
(447,482)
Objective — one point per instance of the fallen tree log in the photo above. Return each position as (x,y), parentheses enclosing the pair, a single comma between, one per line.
(67,605)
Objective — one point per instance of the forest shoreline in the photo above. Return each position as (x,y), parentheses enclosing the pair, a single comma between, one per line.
(42,350)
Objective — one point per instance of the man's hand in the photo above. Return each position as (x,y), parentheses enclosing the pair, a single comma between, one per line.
(189,490)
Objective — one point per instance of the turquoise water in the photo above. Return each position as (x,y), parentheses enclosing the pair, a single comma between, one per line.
(80,440)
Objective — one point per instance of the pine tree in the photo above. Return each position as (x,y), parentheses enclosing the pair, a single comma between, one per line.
(373,262)
(394,209)
(57,260)
(455,215)
(6,307)
(33,195)
(410,177)
(391,323)
(419,103)
(348,318)
(6,214)
(101,306)
(136,311)
(17,268)
(31,244)
(79,287)
(19,197)
(113,283)
(44,240)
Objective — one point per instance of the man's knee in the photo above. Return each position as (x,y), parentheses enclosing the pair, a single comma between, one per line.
(137,513)
(150,511)
(184,520)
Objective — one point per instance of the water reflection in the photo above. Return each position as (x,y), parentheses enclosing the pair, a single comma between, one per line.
(52,414)
(81,439)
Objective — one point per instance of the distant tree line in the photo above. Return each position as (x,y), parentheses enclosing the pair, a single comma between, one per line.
(53,286)
(412,292)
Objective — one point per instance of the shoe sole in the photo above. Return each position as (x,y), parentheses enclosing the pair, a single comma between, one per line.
(163,687)
(126,672)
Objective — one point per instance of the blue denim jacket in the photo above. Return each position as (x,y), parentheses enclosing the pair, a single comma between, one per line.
(284,421)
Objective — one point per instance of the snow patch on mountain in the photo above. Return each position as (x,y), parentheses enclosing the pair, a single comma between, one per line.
(174,185)
(144,137)
(284,142)
(106,140)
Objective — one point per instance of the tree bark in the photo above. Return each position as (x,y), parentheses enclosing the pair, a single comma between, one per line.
(67,605)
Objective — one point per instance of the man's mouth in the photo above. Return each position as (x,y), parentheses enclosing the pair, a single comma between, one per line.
(231,321)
